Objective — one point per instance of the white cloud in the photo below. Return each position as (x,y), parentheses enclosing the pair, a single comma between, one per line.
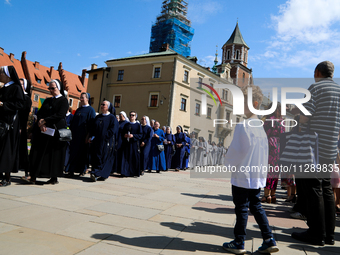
(307,21)
(306,34)
(101,54)
(199,11)
(8,1)
(208,61)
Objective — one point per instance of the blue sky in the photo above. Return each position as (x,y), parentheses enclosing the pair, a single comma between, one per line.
(286,38)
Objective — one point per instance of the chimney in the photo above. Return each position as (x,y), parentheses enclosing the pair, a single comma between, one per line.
(94,66)
(11,56)
(51,70)
(23,55)
(60,67)
(1,51)
(36,65)
(83,77)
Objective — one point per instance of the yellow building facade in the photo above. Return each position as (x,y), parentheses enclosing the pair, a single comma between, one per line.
(166,87)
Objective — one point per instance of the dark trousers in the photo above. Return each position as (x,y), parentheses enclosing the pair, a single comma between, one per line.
(244,199)
(320,206)
(301,203)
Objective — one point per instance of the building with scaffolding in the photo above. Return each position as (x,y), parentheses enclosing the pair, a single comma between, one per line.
(173,28)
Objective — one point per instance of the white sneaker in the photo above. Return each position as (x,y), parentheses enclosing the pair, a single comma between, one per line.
(298,216)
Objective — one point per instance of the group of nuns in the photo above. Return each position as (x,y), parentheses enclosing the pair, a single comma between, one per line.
(205,153)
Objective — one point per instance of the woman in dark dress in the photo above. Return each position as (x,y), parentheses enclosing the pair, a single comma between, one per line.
(131,135)
(47,152)
(169,142)
(23,163)
(180,149)
(11,101)
(157,158)
(79,148)
(145,143)
(103,136)
(123,119)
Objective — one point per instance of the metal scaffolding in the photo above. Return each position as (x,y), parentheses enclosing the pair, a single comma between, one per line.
(172,27)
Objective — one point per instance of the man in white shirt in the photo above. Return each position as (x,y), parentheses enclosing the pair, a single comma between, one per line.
(248,152)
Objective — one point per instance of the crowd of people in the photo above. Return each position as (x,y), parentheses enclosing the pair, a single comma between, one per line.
(107,143)
(101,144)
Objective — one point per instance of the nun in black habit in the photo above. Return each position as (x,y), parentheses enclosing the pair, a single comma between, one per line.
(23,162)
(11,101)
(48,152)
(103,136)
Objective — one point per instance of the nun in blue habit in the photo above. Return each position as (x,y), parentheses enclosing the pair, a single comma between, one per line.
(180,149)
(169,143)
(79,148)
(145,143)
(131,135)
(187,151)
(157,157)
(123,119)
(103,136)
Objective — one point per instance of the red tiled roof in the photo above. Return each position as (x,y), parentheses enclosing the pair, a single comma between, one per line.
(73,83)
(9,60)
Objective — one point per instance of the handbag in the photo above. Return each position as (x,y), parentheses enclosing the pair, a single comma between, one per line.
(5,127)
(299,153)
(160,147)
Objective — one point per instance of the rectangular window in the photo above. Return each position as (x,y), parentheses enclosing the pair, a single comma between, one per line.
(211,85)
(116,101)
(210,137)
(226,95)
(36,98)
(157,72)
(197,109)
(120,75)
(228,116)
(70,102)
(95,76)
(186,76)
(209,113)
(183,104)
(200,81)
(153,100)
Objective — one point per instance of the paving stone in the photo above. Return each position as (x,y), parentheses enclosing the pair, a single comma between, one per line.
(28,241)
(86,231)
(169,229)
(125,210)
(109,249)
(139,240)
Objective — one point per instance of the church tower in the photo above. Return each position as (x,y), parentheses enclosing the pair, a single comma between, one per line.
(235,52)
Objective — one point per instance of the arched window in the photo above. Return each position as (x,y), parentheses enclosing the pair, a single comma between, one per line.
(244,77)
(228,54)
(237,54)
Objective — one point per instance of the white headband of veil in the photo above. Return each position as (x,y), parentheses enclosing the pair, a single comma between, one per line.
(147,121)
(25,83)
(7,71)
(56,83)
(124,114)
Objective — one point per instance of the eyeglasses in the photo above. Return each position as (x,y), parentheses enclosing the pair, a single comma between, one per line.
(103,104)
(53,88)
(132,115)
